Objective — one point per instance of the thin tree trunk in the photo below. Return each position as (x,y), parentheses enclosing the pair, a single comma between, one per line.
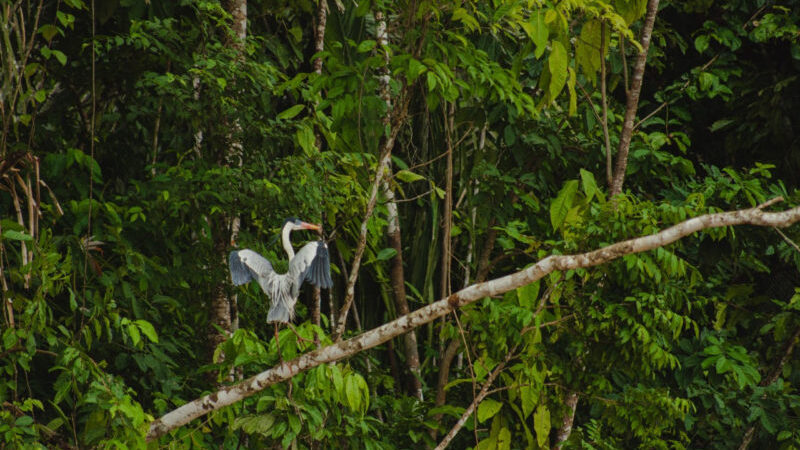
(393,233)
(369,339)
(224,309)
(567,421)
(392,121)
(319,45)
(444,376)
(632,104)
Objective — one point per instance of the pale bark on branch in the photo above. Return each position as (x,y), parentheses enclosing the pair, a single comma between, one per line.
(234,393)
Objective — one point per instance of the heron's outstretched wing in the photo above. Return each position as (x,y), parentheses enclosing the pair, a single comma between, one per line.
(246,265)
(311,264)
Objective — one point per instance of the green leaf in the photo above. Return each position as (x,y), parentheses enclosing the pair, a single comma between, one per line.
(133,332)
(562,204)
(541,423)
(590,188)
(290,112)
(504,439)
(17,235)
(408,176)
(306,140)
(538,32)
(48,31)
(701,43)
(488,408)
(352,393)
(587,49)
(365,46)
(148,330)
(386,254)
(528,294)
(529,397)
(60,56)
(557,63)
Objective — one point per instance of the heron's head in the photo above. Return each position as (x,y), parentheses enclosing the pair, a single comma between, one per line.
(296,224)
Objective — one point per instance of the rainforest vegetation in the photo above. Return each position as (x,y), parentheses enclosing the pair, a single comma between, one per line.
(442,145)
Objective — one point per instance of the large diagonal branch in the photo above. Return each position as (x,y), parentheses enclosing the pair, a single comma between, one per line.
(632,104)
(234,393)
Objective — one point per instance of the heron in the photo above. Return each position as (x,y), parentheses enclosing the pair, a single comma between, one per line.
(311,263)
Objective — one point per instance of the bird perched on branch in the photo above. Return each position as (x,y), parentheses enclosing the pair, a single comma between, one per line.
(311,264)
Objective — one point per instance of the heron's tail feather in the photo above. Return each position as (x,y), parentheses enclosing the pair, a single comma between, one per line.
(281,309)
(279,312)
(319,273)
(239,273)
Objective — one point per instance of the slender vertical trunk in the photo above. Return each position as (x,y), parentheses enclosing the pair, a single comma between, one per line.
(632,104)
(224,309)
(394,116)
(398,279)
(443,378)
(399,289)
(319,45)
(567,421)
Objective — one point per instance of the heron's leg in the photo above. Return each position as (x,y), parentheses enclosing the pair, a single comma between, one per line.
(278,343)
(299,338)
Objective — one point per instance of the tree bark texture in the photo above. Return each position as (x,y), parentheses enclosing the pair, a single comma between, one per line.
(234,393)
(398,280)
(224,309)
(632,104)
(569,418)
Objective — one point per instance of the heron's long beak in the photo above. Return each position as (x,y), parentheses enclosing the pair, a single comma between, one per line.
(310,226)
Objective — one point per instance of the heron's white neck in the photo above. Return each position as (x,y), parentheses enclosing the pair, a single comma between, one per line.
(287,244)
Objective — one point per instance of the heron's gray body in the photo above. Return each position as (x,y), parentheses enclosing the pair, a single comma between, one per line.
(311,264)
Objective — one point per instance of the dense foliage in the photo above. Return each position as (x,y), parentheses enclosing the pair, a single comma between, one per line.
(140,136)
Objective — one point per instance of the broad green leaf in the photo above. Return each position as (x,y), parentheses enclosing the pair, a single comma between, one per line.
(365,46)
(133,332)
(541,423)
(17,235)
(573,97)
(701,42)
(589,185)
(148,330)
(290,112)
(528,294)
(538,32)
(487,409)
(504,439)
(306,140)
(587,49)
(529,397)
(352,393)
(630,10)
(408,176)
(386,254)
(557,63)
(562,204)
(463,16)
(60,56)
